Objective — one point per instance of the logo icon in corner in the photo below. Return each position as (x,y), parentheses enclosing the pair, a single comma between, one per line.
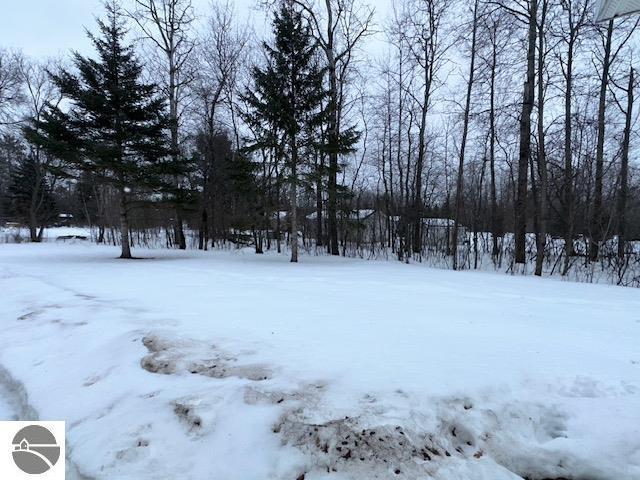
(35,449)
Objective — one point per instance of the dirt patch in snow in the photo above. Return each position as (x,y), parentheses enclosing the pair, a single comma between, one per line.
(345,445)
(172,357)
(186,412)
(513,436)
(360,448)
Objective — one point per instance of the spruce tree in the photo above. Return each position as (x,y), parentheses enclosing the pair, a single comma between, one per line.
(29,197)
(113,124)
(287,98)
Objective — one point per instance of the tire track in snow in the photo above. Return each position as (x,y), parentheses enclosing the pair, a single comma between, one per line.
(14,395)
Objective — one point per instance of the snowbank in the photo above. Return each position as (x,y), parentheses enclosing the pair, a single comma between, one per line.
(195,365)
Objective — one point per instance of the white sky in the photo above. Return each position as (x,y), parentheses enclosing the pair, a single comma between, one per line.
(42,28)
(50,28)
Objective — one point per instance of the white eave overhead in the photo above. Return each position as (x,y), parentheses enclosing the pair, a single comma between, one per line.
(608,9)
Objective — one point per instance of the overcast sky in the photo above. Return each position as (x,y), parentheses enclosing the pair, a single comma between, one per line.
(43,28)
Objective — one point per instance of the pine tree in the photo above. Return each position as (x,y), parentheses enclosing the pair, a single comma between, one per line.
(11,152)
(287,98)
(115,125)
(29,197)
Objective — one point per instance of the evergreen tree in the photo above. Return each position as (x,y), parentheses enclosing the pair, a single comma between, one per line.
(11,152)
(287,98)
(228,186)
(114,125)
(29,198)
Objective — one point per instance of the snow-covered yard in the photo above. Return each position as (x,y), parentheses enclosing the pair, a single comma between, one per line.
(219,365)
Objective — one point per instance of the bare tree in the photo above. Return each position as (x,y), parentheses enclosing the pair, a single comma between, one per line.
(496,26)
(571,25)
(465,133)
(427,41)
(541,240)
(39,93)
(623,192)
(609,55)
(339,29)
(520,227)
(219,57)
(11,93)
(167,24)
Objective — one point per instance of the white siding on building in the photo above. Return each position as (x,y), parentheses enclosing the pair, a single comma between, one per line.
(608,9)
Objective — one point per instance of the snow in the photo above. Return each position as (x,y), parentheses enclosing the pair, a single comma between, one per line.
(195,365)
(18,234)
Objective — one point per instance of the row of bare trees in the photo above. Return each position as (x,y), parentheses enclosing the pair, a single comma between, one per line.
(510,119)
(491,65)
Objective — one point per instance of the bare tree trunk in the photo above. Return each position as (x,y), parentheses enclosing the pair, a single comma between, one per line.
(332,132)
(624,170)
(36,199)
(173,116)
(278,221)
(492,149)
(542,154)
(33,226)
(463,144)
(597,232)
(568,164)
(424,108)
(525,139)
(124,227)
(100,194)
(171,20)
(319,206)
(293,212)
(202,240)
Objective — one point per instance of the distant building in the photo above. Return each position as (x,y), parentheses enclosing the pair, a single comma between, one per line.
(369,226)
(64,220)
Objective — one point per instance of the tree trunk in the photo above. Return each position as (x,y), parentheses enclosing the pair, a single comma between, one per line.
(37,196)
(173,118)
(525,139)
(332,132)
(568,165)
(624,170)
(124,227)
(597,233)
(33,227)
(204,226)
(319,172)
(492,151)
(463,144)
(542,154)
(293,208)
(417,200)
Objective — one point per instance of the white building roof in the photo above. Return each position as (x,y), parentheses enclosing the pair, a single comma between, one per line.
(608,9)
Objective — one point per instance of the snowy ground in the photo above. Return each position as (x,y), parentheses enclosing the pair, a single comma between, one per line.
(50,234)
(200,365)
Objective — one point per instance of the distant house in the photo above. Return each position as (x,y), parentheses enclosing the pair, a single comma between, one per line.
(363,226)
(369,226)
(438,232)
(64,220)
(359,225)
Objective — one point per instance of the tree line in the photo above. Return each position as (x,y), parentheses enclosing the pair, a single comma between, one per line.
(492,132)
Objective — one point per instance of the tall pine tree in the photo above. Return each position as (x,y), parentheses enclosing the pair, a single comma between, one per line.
(113,125)
(287,98)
